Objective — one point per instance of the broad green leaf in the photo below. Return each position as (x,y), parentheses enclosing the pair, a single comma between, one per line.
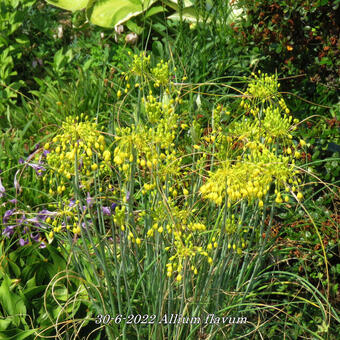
(10,302)
(4,323)
(109,13)
(70,5)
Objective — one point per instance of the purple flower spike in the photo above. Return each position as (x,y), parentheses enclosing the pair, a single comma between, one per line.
(106,211)
(22,242)
(9,231)
(7,215)
(2,189)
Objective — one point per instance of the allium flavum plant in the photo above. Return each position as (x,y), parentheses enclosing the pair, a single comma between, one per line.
(163,219)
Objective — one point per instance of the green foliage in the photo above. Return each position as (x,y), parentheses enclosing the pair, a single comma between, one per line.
(33,287)
(111,13)
(298,38)
(169,126)
(12,42)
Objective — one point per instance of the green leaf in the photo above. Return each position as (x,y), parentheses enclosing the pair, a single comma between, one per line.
(10,302)
(70,5)
(4,323)
(22,39)
(154,10)
(34,291)
(109,13)
(16,334)
(132,26)
(188,14)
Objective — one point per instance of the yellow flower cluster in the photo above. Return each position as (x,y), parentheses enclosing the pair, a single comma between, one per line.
(262,87)
(172,224)
(272,126)
(160,74)
(250,177)
(258,164)
(153,78)
(78,145)
(64,219)
(150,145)
(184,248)
(140,64)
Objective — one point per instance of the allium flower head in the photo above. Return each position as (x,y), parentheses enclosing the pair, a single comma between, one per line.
(77,142)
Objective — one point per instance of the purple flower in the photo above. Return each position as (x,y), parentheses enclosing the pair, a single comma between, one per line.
(35,237)
(7,215)
(21,160)
(72,203)
(106,211)
(127,195)
(45,152)
(22,242)
(42,245)
(13,201)
(43,214)
(89,200)
(22,219)
(80,164)
(16,182)
(9,231)
(38,168)
(113,207)
(2,189)
(33,220)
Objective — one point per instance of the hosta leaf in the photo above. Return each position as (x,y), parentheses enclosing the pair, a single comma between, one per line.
(70,5)
(109,13)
